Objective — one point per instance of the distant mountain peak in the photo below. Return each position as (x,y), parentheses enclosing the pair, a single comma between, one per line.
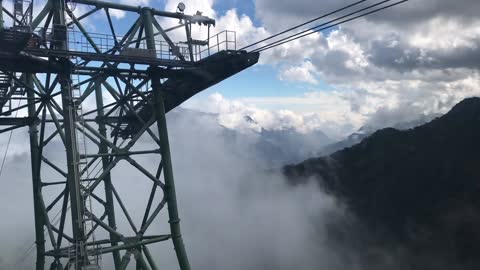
(249,119)
(467,106)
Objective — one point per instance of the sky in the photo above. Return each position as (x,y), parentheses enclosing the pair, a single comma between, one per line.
(420,57)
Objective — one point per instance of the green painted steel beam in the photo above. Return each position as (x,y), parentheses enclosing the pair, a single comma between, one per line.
(1,15)
(169,188)
(71,150)
(155,12)
(70,141)
(35,160)
(170,193)
(43,13)
(20,121)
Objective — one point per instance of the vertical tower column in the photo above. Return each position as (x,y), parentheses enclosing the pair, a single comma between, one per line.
(1,15)
(35,159)
(103,149)
(159,108)
(68,110)
(76,204)
(170,193)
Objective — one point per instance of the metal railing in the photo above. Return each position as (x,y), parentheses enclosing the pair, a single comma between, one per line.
(46,39)
(223,41)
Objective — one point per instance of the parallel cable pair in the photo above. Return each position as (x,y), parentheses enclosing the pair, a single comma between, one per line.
(324,26)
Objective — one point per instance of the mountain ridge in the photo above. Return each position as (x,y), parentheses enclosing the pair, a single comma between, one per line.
(418,186)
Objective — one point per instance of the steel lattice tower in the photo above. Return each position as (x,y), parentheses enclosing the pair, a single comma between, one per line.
(97,95)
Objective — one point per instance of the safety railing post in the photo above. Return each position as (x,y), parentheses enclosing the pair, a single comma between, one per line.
(208,46)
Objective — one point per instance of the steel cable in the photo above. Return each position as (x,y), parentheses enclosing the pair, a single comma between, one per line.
(303,24)
(326,25)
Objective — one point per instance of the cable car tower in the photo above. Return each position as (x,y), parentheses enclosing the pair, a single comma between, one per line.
(97,95)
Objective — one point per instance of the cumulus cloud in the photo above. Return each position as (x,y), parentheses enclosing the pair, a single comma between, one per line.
(246,32)
(338,113)
(303,73)
(117,14)
(375,62)
(413,53)
(329,112)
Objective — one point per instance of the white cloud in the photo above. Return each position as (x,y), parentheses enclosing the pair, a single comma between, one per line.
(295,52)
(445,33)
(420,53)
(246,32)
(304,73)
(379,63)
(342,42)
(117,14)
(328,111)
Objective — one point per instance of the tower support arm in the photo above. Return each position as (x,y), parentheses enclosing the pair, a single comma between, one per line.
(155,12)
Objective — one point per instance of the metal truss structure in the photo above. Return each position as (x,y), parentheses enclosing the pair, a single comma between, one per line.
(97,96)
